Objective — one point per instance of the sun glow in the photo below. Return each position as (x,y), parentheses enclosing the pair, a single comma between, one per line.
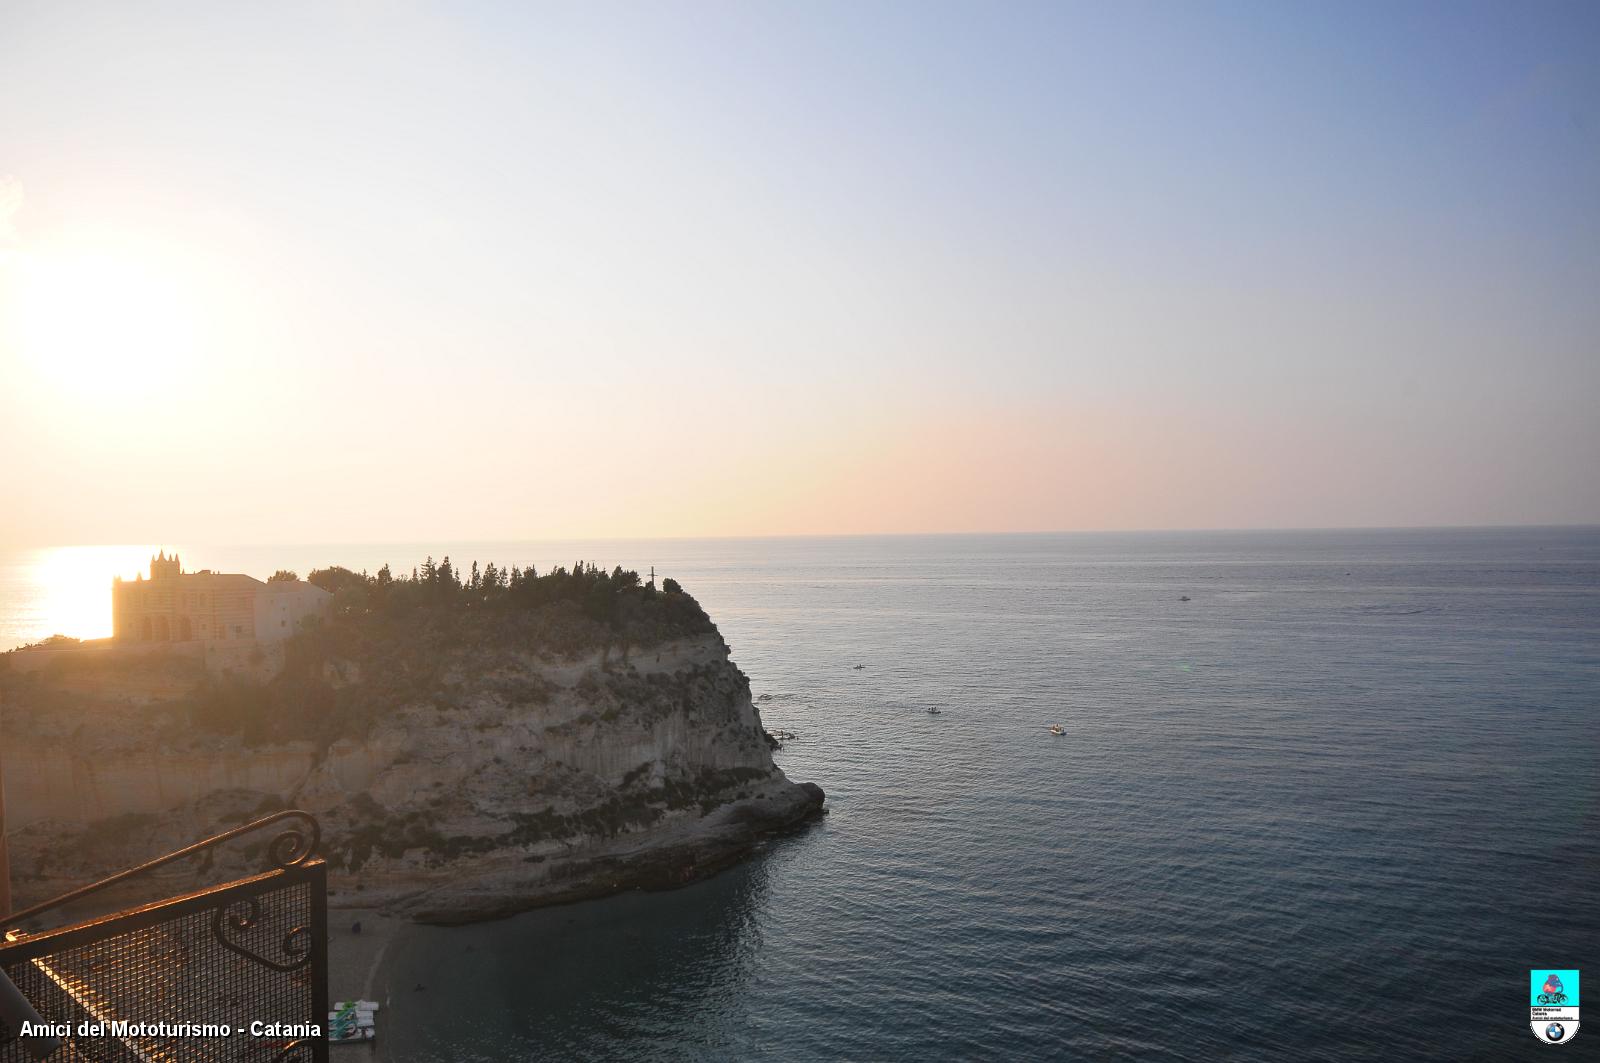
(105,321)
(67,590)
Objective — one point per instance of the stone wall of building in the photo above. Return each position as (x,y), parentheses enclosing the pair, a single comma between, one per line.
(196,605)
(281,607)
(177,606)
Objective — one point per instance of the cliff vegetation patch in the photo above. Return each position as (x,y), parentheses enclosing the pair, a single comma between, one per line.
(416,638)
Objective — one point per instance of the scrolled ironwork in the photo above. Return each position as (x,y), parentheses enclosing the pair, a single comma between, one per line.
(292,847)
(240,923)
(231,923)
(254,948)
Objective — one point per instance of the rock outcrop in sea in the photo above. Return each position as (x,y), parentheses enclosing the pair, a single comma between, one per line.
(468,757)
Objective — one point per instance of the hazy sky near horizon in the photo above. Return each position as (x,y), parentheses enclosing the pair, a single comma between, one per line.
(362,271)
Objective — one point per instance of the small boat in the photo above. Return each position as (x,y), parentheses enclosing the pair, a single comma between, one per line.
(1184,598)
(352,1021)
(934,710)
(1057,730)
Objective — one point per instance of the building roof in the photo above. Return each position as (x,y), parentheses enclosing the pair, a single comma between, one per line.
(220,580)
(284,586)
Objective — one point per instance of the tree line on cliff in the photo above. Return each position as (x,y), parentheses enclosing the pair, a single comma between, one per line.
(617,599)
(404,635)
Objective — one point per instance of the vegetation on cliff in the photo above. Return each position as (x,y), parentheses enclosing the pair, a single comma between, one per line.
(403,636)
(579,610)
(391,640)
(473,742)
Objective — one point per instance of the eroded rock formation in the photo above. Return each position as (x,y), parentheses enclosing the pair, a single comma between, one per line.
(456,777)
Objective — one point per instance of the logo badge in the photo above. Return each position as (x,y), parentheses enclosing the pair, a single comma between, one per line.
(1553,1004)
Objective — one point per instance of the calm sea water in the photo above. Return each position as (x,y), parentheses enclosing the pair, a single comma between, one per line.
(1333,807)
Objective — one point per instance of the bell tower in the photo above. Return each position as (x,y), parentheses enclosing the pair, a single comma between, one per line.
(164,567)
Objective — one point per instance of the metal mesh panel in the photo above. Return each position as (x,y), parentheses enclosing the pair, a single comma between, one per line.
(251,951)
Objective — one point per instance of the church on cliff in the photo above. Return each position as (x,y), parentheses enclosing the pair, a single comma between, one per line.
(206,606)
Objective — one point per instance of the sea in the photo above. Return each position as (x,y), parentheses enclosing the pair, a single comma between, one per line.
(1321,795)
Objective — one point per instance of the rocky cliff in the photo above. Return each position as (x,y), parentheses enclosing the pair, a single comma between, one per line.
(461,767)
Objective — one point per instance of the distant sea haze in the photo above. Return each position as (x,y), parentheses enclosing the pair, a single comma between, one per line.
(1334,806)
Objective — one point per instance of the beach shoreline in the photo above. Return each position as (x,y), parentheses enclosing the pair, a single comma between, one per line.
(355,964)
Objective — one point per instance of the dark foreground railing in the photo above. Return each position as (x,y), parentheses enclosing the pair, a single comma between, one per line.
(237,972)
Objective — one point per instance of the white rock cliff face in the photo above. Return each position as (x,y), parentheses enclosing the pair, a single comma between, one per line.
(523,780)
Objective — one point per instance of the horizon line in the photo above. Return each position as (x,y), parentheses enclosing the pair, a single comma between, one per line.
(1577,525)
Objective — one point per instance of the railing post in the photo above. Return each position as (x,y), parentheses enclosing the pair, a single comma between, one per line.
(320,1002)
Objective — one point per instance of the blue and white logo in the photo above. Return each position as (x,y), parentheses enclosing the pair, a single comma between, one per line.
(1553,1004)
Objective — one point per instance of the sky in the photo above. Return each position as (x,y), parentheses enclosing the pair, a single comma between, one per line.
(373,272)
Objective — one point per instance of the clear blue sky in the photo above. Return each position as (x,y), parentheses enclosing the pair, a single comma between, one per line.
(746,268)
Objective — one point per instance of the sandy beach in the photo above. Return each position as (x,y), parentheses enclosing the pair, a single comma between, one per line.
(355,962)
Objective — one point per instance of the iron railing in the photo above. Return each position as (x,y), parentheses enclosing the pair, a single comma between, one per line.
(184,979)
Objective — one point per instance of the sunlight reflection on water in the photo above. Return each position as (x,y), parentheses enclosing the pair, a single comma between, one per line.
(64,590)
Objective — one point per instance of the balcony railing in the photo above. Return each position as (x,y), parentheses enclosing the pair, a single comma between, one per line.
(236,973)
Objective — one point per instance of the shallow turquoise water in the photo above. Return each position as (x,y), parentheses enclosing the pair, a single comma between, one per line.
(1333,807)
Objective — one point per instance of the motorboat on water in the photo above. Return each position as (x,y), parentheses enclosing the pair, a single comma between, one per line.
(1057,730)
(934,710)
